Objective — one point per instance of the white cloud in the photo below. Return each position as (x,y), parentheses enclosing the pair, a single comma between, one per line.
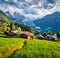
(30,16)
(14,0)
(34,10)
(2,8)
(25,20)
(28,0)
(11,0)
(14,9)
(6,0)
(37,27)
(57,1)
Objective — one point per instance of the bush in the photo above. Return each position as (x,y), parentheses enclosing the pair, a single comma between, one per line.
(44,34)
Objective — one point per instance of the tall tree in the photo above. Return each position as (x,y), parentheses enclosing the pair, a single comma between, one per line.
(50,32)
(12,26)
(4,27)
(44,34)
(31,29)
(18,31)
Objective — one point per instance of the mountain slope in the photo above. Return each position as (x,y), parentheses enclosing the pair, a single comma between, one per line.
(15,16)
(4,23)
(3,17)
(49,22)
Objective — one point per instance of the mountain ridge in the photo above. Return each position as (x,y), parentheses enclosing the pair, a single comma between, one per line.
(49,22)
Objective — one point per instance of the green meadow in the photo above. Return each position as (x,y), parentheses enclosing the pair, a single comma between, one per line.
(21,48)
(9,45)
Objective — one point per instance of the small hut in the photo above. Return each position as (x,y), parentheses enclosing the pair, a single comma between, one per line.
(26,35)
(51,37)
(40,36)
(13,33)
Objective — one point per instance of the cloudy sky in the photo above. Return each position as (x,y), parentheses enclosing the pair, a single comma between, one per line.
(31,9)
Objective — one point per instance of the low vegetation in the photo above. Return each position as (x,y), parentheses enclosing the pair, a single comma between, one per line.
(9,45)
(20,48)
(38,49)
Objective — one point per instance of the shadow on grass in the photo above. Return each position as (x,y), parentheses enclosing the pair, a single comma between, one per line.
(9,37)
(12,55)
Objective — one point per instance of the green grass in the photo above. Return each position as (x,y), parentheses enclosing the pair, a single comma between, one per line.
(38,49)
(15,48)
(9,45)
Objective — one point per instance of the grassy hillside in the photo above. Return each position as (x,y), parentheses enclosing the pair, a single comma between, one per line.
(39,49)
(16,48)
(9,45)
